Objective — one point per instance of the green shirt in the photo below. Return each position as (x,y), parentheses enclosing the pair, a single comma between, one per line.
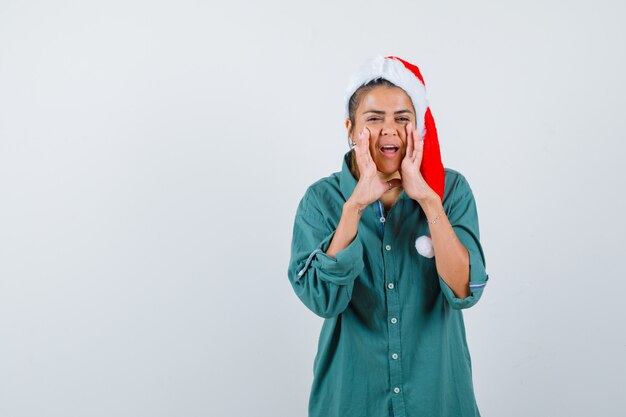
(393,339)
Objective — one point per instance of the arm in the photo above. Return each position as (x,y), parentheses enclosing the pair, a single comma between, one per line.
(458,253)
(369,188)
(325,260)
(463,216)
(452,258)
(323,283)
(346,230)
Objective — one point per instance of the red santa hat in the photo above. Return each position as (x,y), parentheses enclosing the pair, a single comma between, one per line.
(407,76)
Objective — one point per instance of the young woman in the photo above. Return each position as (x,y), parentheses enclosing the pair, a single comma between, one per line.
(393,340)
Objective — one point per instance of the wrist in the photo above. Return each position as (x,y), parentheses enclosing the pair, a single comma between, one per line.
(350,207)
(432,206)
(421,192)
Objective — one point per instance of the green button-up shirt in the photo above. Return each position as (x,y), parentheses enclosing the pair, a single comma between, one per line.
(393,339)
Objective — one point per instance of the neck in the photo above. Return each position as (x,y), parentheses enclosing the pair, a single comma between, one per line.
(387,177)
(390,197)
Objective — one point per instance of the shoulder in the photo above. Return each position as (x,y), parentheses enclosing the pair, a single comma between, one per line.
(322,195)
(456,185)
(454,177)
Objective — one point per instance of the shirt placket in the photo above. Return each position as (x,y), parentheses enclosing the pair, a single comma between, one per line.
(393,322)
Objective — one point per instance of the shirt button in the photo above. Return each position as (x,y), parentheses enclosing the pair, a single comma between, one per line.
(394,320)
(382,220)
(390,285)
(394,356)
(396,390)
(388,247)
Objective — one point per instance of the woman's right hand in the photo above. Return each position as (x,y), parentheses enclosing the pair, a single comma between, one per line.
(370,187)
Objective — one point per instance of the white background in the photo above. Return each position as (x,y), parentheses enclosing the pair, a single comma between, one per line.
(152,155)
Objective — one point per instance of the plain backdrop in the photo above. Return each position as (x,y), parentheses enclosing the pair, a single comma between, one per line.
(153,153)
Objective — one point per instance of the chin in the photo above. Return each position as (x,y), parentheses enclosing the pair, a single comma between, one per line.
(387,168)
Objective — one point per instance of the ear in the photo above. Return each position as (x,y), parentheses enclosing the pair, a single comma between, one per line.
(349,126)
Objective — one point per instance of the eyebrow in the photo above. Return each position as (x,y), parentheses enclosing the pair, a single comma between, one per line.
(381,112)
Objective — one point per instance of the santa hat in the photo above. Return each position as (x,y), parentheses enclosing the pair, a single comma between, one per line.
(407,76)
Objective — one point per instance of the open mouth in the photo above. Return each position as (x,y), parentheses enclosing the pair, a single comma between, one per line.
(389,150)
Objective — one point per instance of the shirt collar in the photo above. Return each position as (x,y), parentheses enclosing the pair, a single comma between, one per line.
(347,182)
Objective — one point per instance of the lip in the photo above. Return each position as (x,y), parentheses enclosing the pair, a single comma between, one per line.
(389,150)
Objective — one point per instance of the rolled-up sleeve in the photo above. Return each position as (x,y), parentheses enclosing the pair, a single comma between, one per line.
(463,217)
(323,283)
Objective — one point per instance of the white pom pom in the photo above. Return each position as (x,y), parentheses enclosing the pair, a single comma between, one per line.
(424,246)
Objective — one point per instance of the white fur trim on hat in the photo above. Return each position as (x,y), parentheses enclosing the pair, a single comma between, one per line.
(394,71)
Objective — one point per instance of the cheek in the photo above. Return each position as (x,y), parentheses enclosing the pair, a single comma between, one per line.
(373,144)
(372,126)
(356,129)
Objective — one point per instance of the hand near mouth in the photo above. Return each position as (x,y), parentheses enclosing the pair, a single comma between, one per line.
(370,187)
(414,184)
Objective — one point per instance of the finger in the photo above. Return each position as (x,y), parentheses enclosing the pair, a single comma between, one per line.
(409,141)
(361,143)
(419,149)
(393,183)
(362,152)
(366,143)
(358,148)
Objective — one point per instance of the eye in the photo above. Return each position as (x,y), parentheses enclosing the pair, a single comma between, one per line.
(373,119)
(403,119)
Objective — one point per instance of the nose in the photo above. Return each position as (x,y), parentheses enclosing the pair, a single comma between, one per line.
(389,128)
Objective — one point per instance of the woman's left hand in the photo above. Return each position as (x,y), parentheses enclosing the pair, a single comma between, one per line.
(414,184)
